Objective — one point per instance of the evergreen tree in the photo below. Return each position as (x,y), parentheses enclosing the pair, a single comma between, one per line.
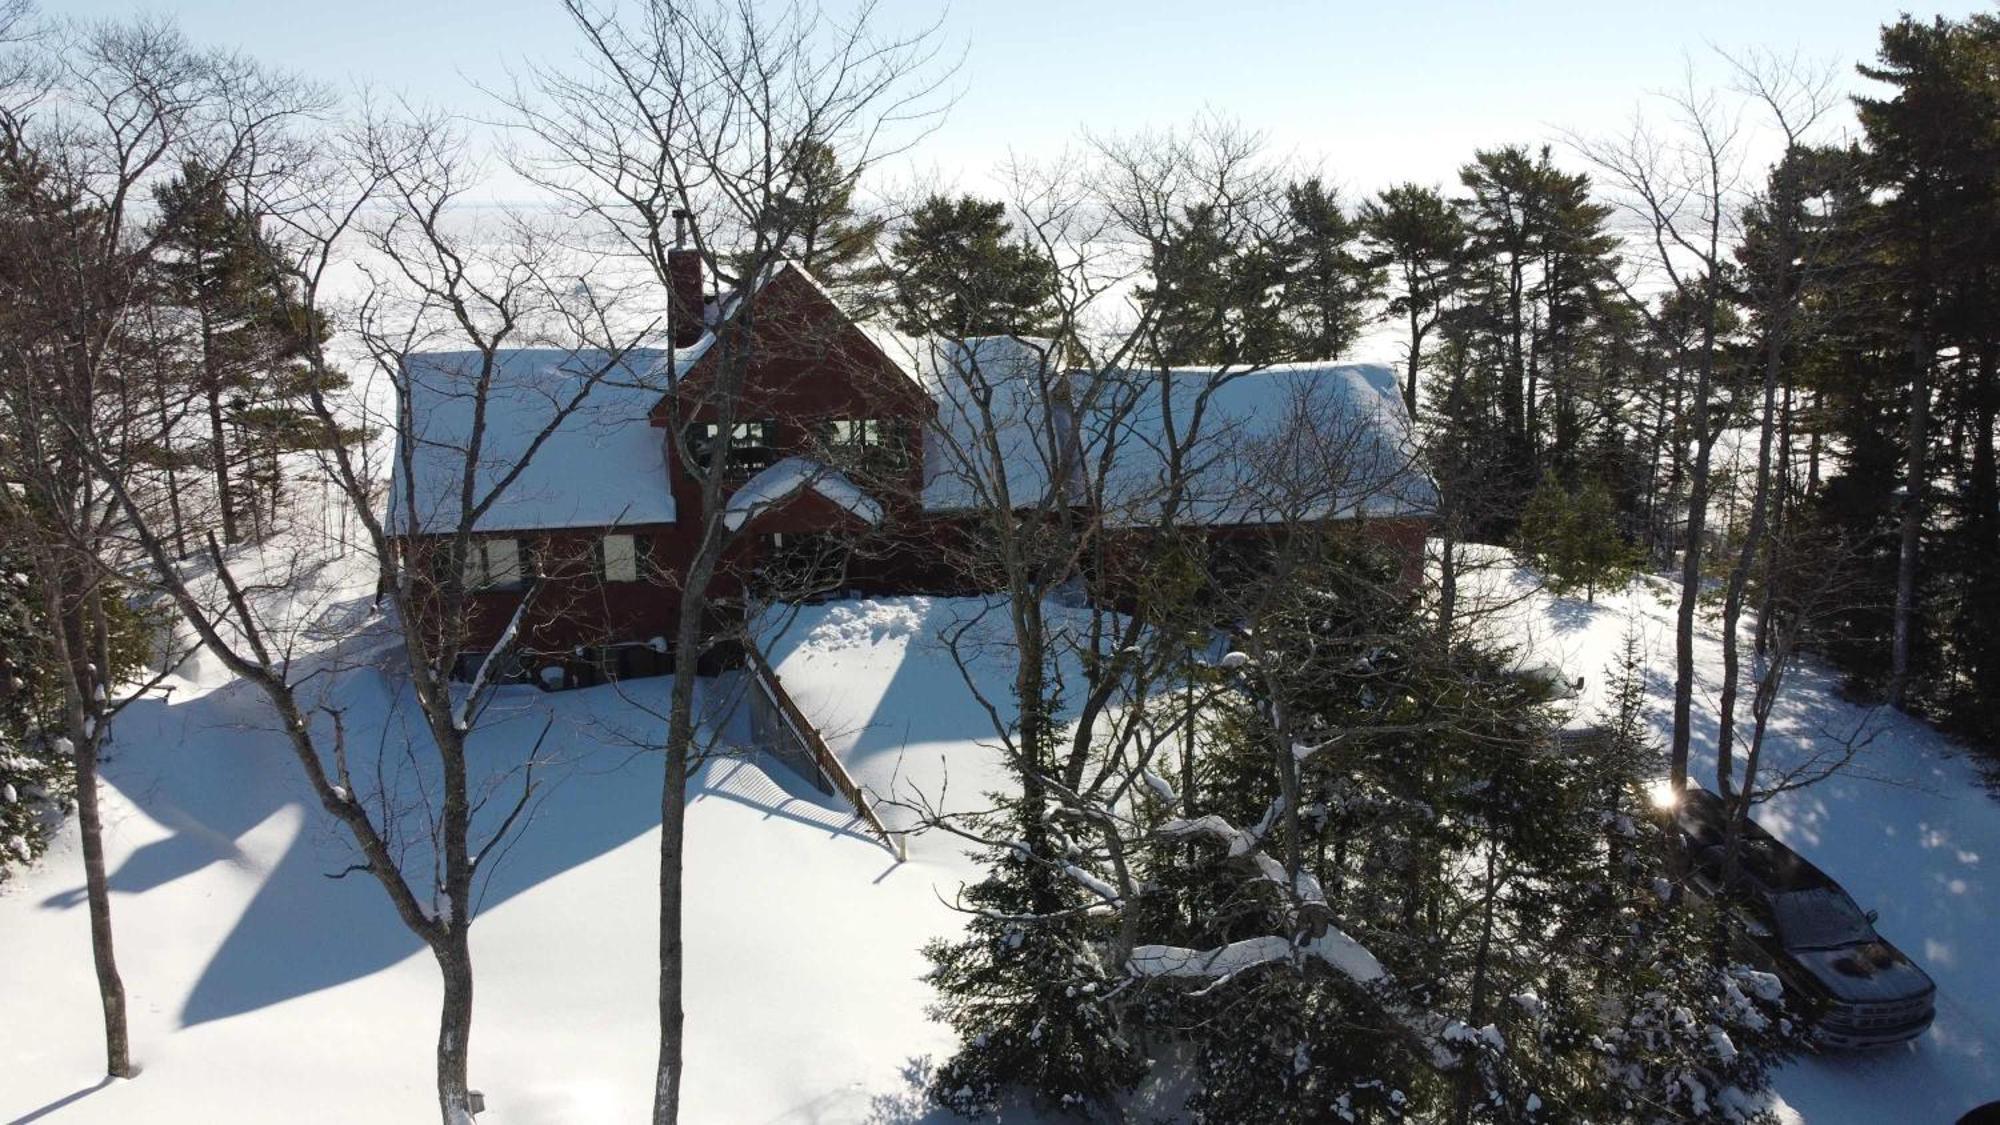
(1572,537)
(34,778)
(1538,260)
(1216,294)
(1329,285)
(1577,259)
(1027,989)
(249,336)
(1419,237)
(1503,878)
(1933,149)
(1505,215)
(37,781)
(814,222)
(959,273)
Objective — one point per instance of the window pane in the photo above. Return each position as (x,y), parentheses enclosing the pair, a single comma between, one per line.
(503,561)
(621,559)
(473,572)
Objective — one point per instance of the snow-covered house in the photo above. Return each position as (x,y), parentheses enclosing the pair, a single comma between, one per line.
(851,445)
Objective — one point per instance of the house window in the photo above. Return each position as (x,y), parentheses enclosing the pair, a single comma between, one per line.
(869,444)
(621,558)
(492,563)
(752,445)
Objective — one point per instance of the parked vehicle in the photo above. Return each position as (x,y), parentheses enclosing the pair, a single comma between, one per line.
(1793,920)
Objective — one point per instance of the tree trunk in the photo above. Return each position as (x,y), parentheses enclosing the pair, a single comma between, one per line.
(1746,558)
(673,836)
(1416,354)
(1469,1079)
(173,476)
(1982,520)
(454,957)
(688,640)
(1512,398)
(218,464)
(73,635)
(97,890)
(1915,484)
(1677,755)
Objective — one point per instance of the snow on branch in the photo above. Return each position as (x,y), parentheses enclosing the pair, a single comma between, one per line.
(461,718)
(1333,948)
(1236,840)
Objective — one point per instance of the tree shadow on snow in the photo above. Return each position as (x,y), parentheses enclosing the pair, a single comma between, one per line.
(211,769)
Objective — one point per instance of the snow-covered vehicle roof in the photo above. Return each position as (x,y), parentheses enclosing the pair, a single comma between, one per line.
(602,465)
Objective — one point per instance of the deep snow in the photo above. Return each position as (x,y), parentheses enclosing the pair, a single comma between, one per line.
(1909,829)
(262,990)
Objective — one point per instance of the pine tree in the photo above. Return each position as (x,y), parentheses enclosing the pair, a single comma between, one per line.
(814,222)
(1933,147)
(1419,237)
(250,334)
(1026,989)
(960,273)
(1329,285)
(1572,537)
(1216,294)
(34,778)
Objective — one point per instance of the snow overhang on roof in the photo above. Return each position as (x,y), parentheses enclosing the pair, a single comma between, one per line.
(601,464)
(785,478)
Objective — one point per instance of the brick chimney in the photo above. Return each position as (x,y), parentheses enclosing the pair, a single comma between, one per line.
(684,284)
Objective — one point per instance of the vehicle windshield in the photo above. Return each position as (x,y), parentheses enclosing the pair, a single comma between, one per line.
(1819,919)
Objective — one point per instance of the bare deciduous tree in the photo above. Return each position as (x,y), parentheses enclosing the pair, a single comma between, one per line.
(703,122)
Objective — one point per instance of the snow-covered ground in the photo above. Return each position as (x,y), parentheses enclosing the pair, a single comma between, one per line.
(263,990)
(1909,829)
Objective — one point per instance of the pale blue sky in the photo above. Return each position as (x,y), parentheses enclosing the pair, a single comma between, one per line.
(1377,92)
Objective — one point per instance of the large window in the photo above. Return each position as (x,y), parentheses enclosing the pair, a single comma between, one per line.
(492,564)
(873,445)
(752,445)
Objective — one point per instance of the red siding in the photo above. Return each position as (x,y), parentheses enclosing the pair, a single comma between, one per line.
(809,366)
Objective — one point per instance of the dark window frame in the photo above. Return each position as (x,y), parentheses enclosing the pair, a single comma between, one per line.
(752,444)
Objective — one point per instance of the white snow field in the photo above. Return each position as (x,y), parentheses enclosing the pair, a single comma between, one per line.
(1908,828)
(261,990)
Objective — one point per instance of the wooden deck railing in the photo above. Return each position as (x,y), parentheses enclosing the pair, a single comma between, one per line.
(816,750)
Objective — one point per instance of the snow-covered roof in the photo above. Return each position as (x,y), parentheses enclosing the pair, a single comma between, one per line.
(1266,445)
(997,387)
(603,465)
(778,481)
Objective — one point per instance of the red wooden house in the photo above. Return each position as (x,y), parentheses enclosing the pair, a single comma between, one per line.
(851,446)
